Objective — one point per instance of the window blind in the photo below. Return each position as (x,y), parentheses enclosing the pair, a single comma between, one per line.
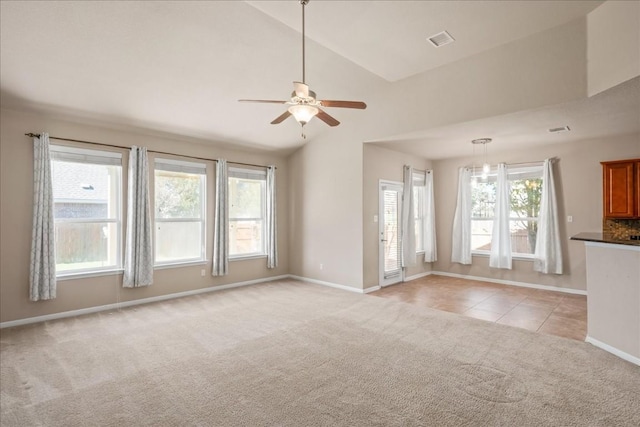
(247,173)
(80,155)
(172,165)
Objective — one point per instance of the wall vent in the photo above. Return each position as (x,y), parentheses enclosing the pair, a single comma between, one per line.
(441,39)
(560,129)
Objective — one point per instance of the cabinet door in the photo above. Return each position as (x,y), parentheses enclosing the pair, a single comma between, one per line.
(637,189)
(619,189)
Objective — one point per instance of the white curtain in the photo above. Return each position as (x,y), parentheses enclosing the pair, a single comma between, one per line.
(138,256)
(461,236)
(500,256)
(548,252)
(429,229)
(221,222)
(42,272)
(408,222)
(271,226)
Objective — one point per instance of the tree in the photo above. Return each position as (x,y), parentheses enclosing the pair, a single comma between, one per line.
(525,204)
(177,195)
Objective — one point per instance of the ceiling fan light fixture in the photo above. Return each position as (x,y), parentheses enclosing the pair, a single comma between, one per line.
(304,105)
(303,112)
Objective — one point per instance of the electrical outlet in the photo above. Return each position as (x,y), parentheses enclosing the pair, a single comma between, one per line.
(570,218)
(321,266)
(202,272)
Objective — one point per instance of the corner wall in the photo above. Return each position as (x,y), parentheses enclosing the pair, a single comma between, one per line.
(326,210)
(381,163)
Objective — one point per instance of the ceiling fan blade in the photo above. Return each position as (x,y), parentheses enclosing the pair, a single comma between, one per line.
(267,101)
(327,118)
(281,118)
(301,90)
(344,104)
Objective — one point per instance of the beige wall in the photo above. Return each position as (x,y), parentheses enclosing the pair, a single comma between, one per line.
(326,210)
(380,163)
(579,190)
(16,195)
(613,44)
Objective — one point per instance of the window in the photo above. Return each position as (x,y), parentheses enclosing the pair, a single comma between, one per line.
(247,205)
(525,190)
(419,190)
(87,200)
(179,211)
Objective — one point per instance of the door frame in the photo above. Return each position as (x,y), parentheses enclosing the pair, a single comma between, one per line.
(399,187)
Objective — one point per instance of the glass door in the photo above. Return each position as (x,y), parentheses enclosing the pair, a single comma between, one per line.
(390,245)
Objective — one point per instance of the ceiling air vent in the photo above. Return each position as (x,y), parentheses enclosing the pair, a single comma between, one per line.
(560,129)
(441,39)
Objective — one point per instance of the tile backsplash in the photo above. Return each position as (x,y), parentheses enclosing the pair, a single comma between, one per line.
(621,228)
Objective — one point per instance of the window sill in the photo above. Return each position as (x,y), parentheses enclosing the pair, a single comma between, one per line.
(86,274)
(513,257)
(180,264)
(114,272)
(246,257)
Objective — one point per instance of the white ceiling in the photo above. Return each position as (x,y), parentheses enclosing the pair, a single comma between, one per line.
(179,67)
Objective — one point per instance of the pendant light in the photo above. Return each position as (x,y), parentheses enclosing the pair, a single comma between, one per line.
(486,167)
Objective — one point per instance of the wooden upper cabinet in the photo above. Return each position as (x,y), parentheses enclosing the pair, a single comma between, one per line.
(637,188)
(621,188)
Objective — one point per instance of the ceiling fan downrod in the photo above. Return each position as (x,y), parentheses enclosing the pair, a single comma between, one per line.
(303,3)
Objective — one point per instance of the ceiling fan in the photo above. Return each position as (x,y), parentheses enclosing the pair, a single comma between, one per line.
(304,104)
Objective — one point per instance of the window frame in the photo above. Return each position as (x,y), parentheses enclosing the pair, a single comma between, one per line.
(87,156)
(256,175)
(513,169)
(185,167)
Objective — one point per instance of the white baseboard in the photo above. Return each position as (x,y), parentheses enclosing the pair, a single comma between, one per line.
(123,304)
(417,276)
(334,285)
(606,347)
(512,283)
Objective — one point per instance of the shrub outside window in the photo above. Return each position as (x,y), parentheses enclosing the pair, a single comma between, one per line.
(87,197)
(247,209)
(179,211)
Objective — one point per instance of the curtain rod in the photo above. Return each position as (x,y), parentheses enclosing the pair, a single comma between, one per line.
(420,170)
(37,135)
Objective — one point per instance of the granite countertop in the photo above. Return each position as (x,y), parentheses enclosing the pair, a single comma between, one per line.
(604,238)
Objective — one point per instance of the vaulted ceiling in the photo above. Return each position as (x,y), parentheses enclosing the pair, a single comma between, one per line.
(179,67)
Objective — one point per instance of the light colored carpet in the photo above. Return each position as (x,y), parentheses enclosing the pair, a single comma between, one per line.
(294,354)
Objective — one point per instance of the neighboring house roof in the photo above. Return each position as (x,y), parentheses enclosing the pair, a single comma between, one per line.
(80,182)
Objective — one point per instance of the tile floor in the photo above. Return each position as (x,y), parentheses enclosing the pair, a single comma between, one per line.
(548,312)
